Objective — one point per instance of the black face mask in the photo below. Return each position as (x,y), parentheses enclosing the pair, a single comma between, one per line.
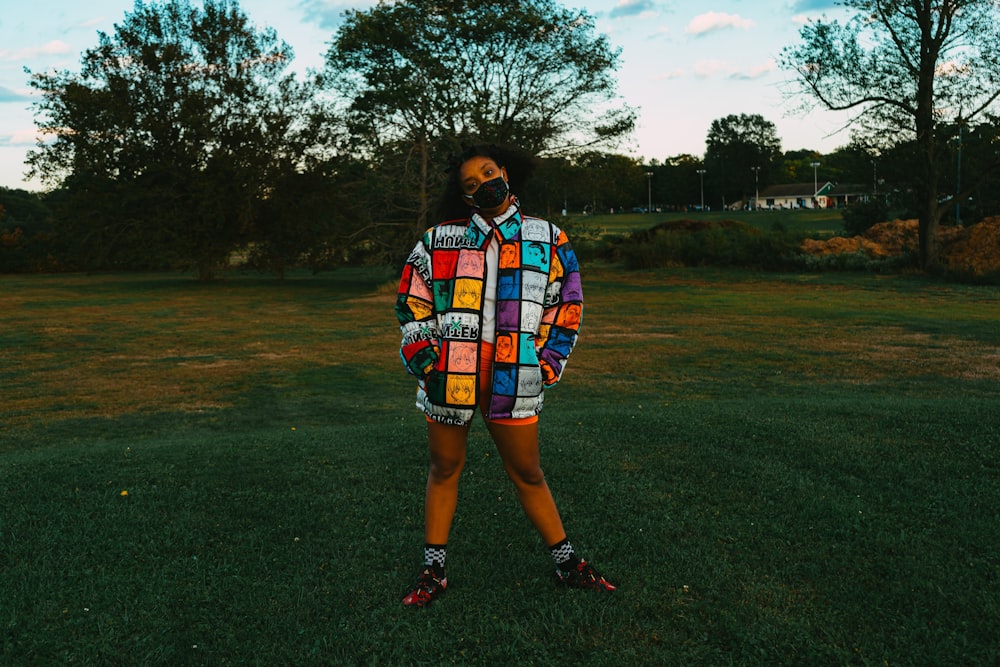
(491,194)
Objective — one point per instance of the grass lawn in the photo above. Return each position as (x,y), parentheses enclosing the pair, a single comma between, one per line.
(823,222)
(776,469)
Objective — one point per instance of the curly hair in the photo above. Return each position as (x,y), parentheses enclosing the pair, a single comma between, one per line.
(519,164)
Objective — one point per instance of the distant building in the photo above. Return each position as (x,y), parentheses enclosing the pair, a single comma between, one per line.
(802,195)
(844,195)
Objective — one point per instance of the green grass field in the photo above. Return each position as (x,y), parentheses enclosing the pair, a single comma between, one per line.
(776,469)
(823,222)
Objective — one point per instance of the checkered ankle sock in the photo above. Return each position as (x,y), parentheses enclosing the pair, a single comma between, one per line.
(564,556)
(434,555)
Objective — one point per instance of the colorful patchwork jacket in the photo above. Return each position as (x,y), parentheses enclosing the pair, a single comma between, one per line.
(539,307)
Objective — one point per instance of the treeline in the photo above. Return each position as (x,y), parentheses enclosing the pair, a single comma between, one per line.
(354,213)
(185,142)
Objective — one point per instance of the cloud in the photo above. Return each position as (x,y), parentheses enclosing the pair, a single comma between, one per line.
(329,14)
(668,75)
(951,68)
(24,137)
(8,95)
(92,23)
(53,48)
(713,21)
(755,72)
(707,69)
(626,8)
(813,5)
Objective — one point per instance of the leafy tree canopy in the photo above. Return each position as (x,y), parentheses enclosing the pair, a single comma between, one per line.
(904,67)
(175,128)
(736,147)
(418,76)
(533,74)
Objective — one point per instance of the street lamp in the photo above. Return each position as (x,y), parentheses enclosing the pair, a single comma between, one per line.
(958,178)
(701,175)
(649,191)
(756,188)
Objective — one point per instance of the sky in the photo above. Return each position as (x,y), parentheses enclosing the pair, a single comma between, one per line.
(684,63)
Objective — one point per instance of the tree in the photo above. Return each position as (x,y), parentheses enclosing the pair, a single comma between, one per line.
(969,168)
(735,146)
(301,221)
(420,75)
(26,237)
(176,128)
(796,167)
(611,181)
(676,182)
(851,164)
(904,67)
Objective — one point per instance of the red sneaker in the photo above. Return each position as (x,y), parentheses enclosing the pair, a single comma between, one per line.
(584,576)
(429,587)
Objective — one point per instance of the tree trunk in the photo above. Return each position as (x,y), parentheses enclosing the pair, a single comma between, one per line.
(206,270)
(422,205)
(929,222)
(929,213)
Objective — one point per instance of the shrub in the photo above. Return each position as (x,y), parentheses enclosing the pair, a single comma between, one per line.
(704,243)
(590,243)
(25,251)
(854,261)
(858,218)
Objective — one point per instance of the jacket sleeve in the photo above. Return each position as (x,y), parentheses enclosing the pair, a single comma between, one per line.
(415,311)
(563,312)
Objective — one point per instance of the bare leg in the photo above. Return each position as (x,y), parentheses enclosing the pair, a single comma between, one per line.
(518,448)
(447,457)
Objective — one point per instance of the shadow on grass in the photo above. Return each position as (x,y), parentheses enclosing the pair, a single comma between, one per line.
(845,528)
(757,461)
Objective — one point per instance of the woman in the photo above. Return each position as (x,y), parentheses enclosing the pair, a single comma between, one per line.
(489,305)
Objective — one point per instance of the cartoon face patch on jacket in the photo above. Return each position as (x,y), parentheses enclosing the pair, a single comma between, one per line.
(539,307)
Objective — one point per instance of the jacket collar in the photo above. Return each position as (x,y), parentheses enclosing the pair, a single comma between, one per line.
(506,225)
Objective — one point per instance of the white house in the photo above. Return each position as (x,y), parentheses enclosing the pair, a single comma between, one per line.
(796,195)
(801,195)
